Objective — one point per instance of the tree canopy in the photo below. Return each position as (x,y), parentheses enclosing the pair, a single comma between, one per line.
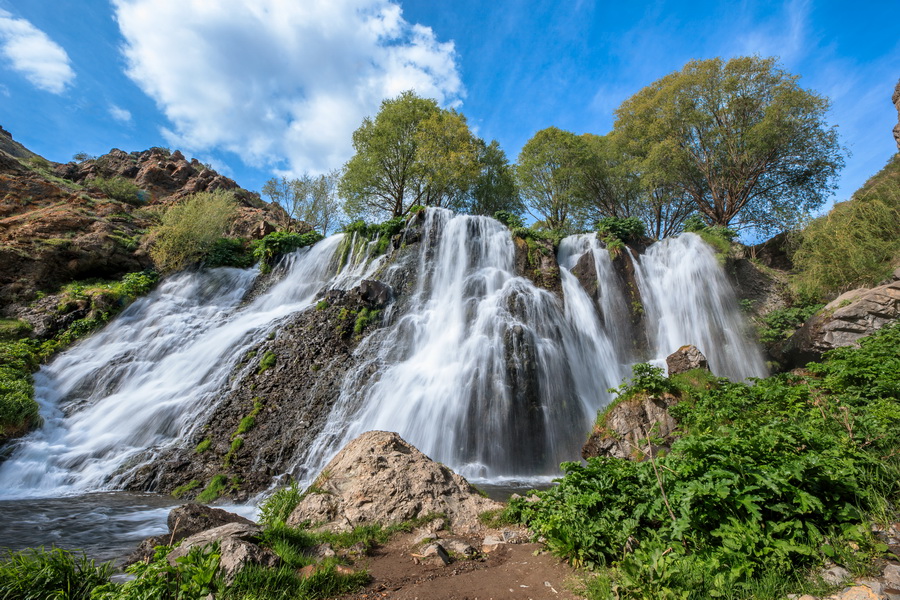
(549,173)
(741,139)
(310,199)
(412,153)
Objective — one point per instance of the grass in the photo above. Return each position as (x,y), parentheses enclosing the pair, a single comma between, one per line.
(216,487)
(184,489)
(56,574)
(267,361)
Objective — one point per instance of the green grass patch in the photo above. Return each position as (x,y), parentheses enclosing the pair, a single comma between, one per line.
(40,574)
(267,361)
(203,446)
(216,487)
(181,490)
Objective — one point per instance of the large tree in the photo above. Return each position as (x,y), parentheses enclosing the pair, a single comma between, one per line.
(742,139)
(495,187)
(549,173)
(412,152)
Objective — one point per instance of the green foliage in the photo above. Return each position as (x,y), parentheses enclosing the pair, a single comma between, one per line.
(236,444)
(248,422)
(412,152)
(645,378)
(495,187)
(203,446)
(740,138)
(511,220)
(380,233)
(857,243)
(39,574)
(229,252)
(276,509)
(216,487)
(766,481)
(121,189)
(779,324)
(627,229)
(268,249)
(190,229)
(13,329)
(193,576)
(549,176)
(322,305)
(364,318)
(181,490)
(267,361)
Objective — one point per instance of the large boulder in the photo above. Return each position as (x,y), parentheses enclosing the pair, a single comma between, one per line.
(842,322)
(379,478)
(237,548)
(633,429)
(686,358)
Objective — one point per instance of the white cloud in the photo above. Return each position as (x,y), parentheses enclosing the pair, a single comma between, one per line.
(32,53)
(279,80)
(120,114)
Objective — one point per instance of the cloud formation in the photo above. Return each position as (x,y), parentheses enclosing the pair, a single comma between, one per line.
(32,53)
(279,82)
(119,114)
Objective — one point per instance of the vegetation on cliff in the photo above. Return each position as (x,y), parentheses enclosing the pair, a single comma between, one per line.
(765,482)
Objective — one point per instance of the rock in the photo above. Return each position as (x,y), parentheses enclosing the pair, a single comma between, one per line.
(375,293)
(851,316)
(491,543)
(835,575)
(627,426)
(536,260)
(379,478)
(686,358)
(236,548)
(188,519)
(892,575)
(460,547)
(858,592)
(184,521)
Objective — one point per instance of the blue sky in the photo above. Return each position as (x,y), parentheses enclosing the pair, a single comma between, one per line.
(265,87)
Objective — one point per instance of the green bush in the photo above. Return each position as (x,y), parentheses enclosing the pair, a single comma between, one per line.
(627,229)
(511,220)
(766,481)
(19,412)
(278,243)
(857,243)
(40,574)
(121,189)
(190,230)
(779,324)
(229,252)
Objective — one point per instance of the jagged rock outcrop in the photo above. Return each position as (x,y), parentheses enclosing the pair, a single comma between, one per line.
(846,319)
(380,478)
(287,402)
(536,260)
(686,358)
(629,428)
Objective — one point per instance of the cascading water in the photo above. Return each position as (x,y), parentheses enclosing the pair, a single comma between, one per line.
(687,300)
(114,400)
(476,366)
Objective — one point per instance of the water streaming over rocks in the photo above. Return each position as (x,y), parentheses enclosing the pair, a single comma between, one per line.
(474,365)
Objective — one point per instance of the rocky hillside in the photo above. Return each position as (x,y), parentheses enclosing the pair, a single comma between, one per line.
(88,219)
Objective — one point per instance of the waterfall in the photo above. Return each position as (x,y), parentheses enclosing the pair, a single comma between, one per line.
(116,399)
(475,365)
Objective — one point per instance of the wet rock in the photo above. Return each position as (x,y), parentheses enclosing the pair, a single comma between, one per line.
(536,260)
(627,426)
(375,293)
(380,478)
(686,358)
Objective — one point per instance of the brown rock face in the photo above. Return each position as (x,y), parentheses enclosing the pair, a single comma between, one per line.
(629,424)
(536,260)
(379,478)
(686,358)
(842,322)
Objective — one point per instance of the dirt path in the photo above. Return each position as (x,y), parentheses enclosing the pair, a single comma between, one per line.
(511,571)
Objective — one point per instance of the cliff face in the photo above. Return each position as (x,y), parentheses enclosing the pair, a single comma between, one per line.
(58,225)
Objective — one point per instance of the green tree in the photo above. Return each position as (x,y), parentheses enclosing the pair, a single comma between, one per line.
(190,229)
(412,153)
(312,200)
(495,187)
(741,139)
(550,174)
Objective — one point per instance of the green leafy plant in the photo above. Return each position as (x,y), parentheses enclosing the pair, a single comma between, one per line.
(511,220)
(39,574)
(781,323)
(121,189)
(276,244)
(625,229)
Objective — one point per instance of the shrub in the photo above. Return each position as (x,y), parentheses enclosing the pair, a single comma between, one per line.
(121,189)
(229,252)
(627,229)
(857,243)
(19,412)
(189,230)
(511,220)
(779,324)
(278,243)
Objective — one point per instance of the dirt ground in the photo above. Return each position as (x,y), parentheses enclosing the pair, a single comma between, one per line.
(511,571)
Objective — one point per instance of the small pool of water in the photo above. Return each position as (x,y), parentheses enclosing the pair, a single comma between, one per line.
(105,525)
